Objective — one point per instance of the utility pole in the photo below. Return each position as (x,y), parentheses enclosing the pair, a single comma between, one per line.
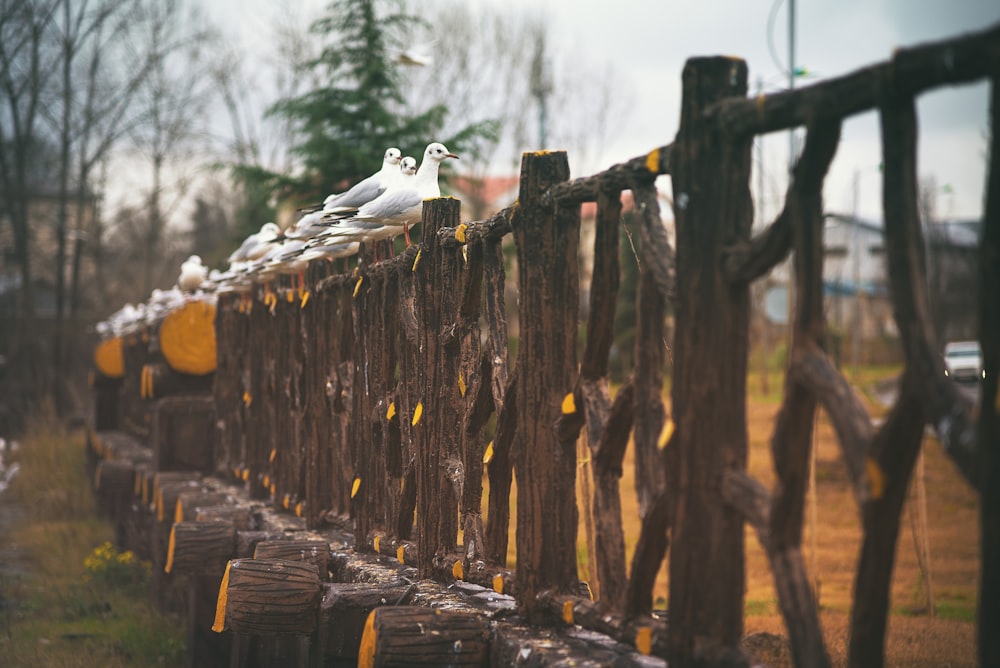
(541,87)
(856,278)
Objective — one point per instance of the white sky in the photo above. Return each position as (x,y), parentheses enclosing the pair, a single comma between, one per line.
(648,41)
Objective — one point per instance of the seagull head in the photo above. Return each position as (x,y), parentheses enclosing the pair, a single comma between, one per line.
(392,156)
(408,165)
(438,152)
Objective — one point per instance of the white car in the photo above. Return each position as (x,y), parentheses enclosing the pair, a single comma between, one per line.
(963,361)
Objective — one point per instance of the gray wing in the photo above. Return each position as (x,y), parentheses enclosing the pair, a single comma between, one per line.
(391,204)
(360,193)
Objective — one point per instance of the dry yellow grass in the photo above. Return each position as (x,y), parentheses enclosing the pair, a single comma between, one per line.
(914,638)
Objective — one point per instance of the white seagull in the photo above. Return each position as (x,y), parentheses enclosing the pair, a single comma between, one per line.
(257,244)
(193,274)
(368,189)
(396,207)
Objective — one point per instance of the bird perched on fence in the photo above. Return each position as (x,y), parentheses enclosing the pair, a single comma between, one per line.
(257,244)
(368,189)
(359,194)
(398,207)
(193,274)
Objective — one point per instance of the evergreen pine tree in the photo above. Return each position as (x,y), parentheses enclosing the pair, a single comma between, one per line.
(346,126)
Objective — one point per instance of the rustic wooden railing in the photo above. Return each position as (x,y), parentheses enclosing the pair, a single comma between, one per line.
(364,401)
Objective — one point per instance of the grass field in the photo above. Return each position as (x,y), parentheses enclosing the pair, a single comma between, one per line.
(68,599)
(914,638)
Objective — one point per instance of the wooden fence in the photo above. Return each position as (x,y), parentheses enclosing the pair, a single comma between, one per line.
(364,400)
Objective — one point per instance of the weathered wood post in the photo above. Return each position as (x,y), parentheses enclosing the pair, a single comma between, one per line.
(437,417)
(711,176)
(988,445)
(547,245)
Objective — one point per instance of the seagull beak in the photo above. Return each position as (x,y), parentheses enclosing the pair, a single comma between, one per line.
(451,155)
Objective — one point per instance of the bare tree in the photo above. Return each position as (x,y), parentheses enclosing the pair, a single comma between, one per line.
(173,97)
(482,68)
(25,69)
(87,117)
(26,64)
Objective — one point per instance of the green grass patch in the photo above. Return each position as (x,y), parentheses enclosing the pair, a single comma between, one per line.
(754,607)
(67,596)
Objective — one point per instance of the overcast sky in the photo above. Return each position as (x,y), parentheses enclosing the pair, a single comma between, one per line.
(648,41)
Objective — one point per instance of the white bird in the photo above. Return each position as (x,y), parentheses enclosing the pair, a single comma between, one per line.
(361,193)
(193,274)
(257,244)
(368,189)
(415,56)
(407,167)
(399,206)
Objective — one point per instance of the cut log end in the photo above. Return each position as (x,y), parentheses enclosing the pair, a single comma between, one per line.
(108,358)
(187,338)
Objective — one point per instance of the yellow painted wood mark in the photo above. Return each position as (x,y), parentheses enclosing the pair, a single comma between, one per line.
(179,511)
(159,505)
(366,651)
(267,480)
(461,384)
(108,357)
(401,554)
(377,541)
(303,298)
(568,404)
(460,233)
(286,501)
(270,457)
(665,434)
(298,509)
(498,583)
(357,286)
(355,487)
(247,399)
(289,296)
(644,640)
(653,161)
(187,338)
(245,474)
(417,413)
(171,544)
(488,455)
(392,410)
(272,489)
(567,612)
(220,603)
(416,260)
(458,570)
(876,477)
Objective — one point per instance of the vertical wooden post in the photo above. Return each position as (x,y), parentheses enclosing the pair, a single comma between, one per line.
(547,247)
(988,430)
(711,176)
(437,417)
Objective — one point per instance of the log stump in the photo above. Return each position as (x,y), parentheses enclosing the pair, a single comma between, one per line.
(315,552)
(200,547)
(410,636)
(268,597)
